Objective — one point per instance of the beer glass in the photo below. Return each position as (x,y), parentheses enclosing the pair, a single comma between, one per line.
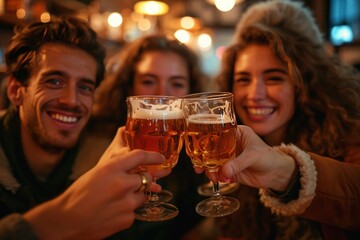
(155,123)
(210,139)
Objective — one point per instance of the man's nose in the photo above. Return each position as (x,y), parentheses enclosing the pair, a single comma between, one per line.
(69,96)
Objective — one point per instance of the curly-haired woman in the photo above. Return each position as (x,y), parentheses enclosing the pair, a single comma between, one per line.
(292,93)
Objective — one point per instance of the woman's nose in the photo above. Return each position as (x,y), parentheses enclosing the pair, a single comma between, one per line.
(257,90)
(162,88)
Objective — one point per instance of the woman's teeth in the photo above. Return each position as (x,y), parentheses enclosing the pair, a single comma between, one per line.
(260,111)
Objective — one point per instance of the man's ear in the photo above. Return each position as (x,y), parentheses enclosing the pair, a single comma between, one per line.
(14,91)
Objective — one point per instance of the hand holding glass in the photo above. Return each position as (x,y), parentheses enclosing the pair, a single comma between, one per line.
(210,138)
(155,123)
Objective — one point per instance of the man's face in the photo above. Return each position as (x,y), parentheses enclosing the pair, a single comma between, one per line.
(56,104)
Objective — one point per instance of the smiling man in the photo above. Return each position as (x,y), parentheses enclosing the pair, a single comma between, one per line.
(55,105)
(53,71)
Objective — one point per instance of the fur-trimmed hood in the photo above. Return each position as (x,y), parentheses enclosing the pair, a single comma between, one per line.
(280,15)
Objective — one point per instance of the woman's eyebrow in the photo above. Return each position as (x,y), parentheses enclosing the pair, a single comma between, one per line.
(241,73)
(274,70)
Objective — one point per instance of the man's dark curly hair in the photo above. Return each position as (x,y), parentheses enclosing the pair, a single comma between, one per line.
(21,52)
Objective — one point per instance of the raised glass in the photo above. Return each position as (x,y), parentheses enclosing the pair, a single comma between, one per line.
(155,123)
(210,139)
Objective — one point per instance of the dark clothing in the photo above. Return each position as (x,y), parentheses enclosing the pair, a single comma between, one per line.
(31,191)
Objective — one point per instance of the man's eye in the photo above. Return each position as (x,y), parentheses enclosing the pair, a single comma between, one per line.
(87,88)
(54,81)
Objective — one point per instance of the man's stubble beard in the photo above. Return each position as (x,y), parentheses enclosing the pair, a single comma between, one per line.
(50,143)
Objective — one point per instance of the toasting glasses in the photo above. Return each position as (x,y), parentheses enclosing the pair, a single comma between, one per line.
(210,139)
(155,123)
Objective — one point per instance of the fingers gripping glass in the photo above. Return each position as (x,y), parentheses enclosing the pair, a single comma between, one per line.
(155,123)
(210,139)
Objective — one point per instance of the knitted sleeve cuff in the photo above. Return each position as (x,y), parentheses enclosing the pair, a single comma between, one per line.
(308,185)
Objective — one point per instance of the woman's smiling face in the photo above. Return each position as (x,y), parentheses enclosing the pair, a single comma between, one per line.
(264,93)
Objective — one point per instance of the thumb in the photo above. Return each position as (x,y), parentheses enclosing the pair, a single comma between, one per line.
(246,139)
(117,146)
(234,166)
(120,138)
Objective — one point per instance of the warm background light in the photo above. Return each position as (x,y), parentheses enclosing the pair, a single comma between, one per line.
(204,41)
(144,24)
(182,35)
(21,13)
(151,7)
(45,17)
(115,19)
(187,22)
(224,5)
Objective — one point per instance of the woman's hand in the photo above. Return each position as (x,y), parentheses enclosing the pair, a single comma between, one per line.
(257,164)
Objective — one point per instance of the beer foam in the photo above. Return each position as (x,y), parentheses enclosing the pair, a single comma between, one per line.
(141,113)
(209,119)
(143,110)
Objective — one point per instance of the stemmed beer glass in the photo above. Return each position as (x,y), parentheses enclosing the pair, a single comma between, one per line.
(155,123)
(210,139)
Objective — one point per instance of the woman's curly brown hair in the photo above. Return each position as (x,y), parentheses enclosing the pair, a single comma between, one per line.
(327,111)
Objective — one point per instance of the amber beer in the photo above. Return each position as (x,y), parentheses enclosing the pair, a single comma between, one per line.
(157,131)
(210,140)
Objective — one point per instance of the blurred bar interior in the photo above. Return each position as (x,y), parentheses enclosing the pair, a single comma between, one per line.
(205,25)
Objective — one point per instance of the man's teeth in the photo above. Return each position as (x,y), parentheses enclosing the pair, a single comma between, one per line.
(63,118)
(260,111)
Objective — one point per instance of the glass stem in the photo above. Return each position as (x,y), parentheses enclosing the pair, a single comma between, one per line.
(154,198)
(216,190)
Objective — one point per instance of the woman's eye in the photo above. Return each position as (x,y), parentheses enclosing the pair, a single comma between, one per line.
(147,82)
(275,80)
(242,80)
(178,85)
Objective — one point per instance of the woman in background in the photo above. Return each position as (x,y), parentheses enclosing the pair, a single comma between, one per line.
(151,65)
